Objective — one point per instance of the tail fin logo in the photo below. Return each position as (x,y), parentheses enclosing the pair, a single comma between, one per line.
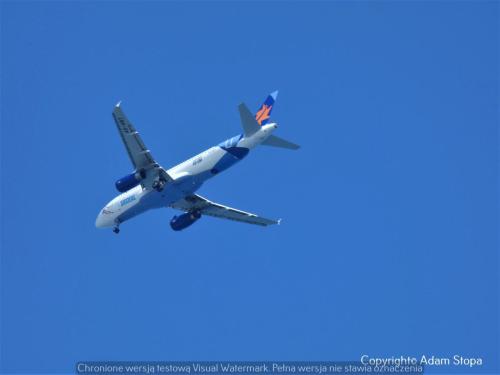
(263,113)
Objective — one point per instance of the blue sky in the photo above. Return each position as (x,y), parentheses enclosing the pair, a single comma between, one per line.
(389,241)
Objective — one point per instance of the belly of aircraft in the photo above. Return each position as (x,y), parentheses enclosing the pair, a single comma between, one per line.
(189,180)
(154,199)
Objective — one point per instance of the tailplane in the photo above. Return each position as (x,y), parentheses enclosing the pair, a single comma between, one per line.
(275,141)
(252,123)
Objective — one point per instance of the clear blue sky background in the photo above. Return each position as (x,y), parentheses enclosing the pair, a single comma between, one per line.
(388,244)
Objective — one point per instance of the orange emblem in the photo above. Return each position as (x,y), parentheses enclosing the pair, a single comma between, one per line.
(263,113)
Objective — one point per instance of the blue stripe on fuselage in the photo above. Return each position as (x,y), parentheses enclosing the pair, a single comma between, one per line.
(230,157)
(231,142)
(239,152)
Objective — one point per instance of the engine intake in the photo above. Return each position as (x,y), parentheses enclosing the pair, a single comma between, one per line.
(130,181)
(185,220)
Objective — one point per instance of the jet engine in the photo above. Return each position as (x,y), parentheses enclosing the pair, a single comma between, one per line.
(185,220)
(128,182)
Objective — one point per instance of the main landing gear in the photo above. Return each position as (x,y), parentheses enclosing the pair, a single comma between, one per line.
(159,184)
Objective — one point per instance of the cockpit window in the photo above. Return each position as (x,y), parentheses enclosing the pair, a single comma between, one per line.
(106,211)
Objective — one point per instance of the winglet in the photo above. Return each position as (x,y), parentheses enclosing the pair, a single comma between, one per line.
(279,221)
(118,104)
(274,94)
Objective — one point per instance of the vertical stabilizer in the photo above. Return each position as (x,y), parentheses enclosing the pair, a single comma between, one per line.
(263,115)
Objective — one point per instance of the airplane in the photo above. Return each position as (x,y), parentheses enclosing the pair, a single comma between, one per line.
(151,186)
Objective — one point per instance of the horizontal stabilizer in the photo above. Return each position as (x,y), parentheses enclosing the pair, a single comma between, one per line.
(250,125)
(275,141)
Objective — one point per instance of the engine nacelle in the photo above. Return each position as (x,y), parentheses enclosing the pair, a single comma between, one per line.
(128,182)
(185,220)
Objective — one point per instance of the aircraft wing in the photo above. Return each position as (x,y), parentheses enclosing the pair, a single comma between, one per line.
(139,154)
(196,202)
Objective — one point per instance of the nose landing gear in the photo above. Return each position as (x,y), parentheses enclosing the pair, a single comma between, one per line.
(116,229)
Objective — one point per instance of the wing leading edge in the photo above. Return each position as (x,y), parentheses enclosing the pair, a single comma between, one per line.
(196,202)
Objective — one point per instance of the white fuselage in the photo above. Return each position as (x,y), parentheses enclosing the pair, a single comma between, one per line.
(187,177)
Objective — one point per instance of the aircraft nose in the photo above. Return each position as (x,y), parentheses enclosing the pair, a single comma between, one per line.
(102,221)
(99,221)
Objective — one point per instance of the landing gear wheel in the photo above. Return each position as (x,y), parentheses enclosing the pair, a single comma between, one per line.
(116,230)
(158,185)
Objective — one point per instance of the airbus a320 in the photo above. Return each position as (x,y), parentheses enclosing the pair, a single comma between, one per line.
(151,186)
